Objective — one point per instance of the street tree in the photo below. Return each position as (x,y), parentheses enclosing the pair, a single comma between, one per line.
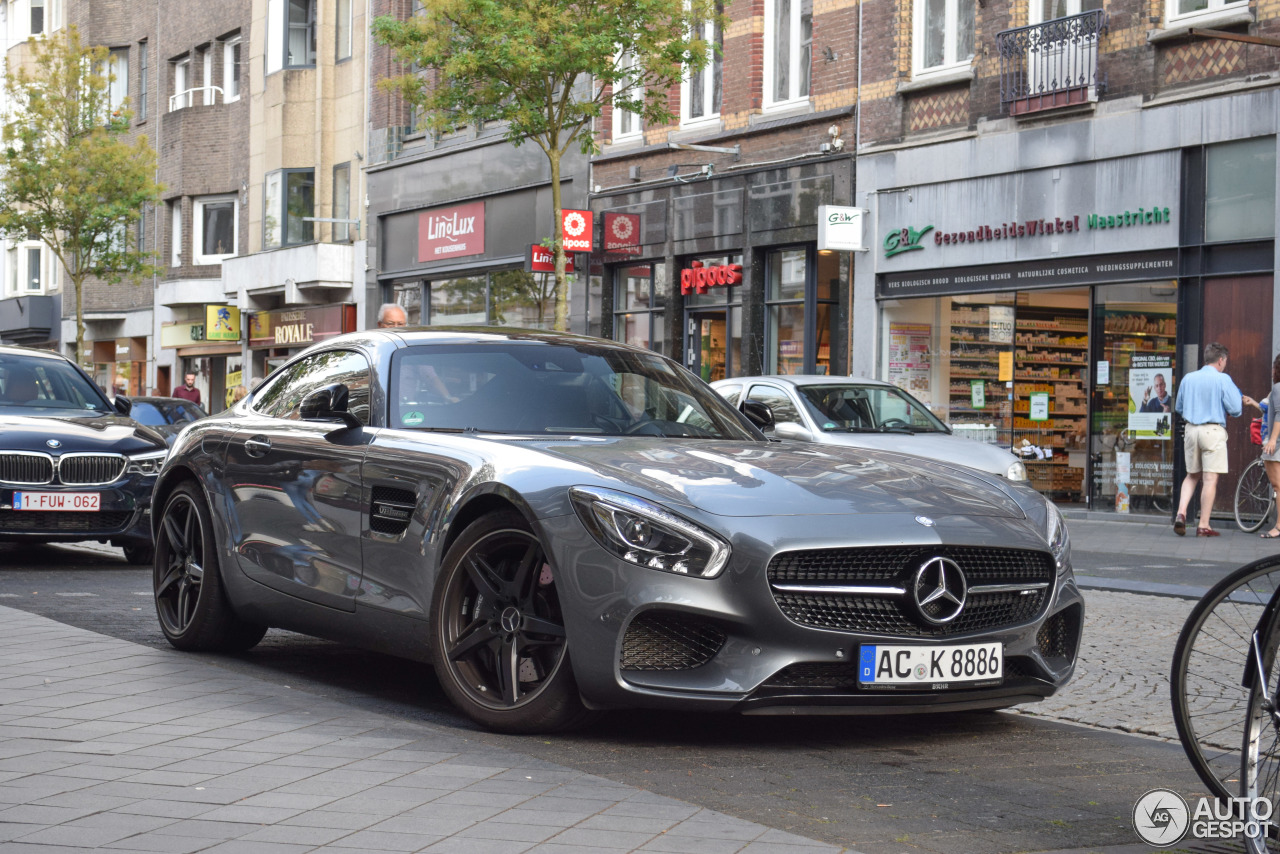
(71,175)
(544,70)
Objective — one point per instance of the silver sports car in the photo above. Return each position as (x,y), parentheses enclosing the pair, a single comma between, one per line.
(561,524)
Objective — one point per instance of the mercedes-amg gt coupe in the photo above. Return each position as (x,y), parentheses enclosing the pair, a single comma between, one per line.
(561,525)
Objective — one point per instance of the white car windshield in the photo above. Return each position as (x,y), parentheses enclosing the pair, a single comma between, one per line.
(867,409)
(526,387)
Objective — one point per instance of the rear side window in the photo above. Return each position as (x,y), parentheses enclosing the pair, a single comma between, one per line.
(283,396)
(784,411)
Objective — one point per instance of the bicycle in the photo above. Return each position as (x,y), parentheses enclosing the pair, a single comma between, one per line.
(1260,750)
(1211,703)
(1255,499)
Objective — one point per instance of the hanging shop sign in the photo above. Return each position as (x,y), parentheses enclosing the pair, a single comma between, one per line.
(180,334)
(299,327)
(840,228)
(698,277)
(1043,273)
(221,323)
(540,259)
(622,233)
(451,232)
(576,226)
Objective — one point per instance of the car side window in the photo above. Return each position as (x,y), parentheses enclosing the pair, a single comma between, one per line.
(784,411)
(730,393)
(283,397)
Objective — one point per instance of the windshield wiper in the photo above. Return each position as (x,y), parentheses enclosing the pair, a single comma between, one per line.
(849,430)
(907,430)
(459,430)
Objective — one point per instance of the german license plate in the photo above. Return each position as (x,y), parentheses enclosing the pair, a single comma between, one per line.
(930,667)
(85,502)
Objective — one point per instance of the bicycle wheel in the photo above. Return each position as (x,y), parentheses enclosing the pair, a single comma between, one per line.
(1209,703)
(1260,754)
(1253,497)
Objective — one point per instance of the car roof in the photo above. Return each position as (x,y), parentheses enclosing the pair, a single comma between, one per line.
(803,380)
(411,335)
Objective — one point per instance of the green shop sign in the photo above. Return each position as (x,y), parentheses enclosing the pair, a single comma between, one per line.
(904,240)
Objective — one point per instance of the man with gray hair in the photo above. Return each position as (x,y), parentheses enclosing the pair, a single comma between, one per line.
(1205,399)
(391,315)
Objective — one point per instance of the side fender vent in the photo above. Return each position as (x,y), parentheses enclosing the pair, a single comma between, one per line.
(391,510)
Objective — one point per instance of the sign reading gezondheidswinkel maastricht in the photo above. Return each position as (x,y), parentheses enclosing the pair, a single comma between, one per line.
(1047,218)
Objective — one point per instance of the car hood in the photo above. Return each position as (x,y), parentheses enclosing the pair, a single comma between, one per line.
(729,478)
(114,434)
(936,446)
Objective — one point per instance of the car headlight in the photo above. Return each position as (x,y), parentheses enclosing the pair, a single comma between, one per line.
(1017,471)
(645,534)
(1056,534)
(148,463)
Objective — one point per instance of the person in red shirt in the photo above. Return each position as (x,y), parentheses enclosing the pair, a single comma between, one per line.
(188,391)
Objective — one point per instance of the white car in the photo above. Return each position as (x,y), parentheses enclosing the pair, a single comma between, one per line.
(863,413)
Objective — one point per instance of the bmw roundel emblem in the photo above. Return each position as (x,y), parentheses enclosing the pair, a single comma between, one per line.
(53,443)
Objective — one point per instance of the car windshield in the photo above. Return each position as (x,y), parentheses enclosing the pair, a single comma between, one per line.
(36,385)
(867,409)
(158,414)
(537,388)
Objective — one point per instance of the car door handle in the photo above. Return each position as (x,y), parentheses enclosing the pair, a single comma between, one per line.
(258,446)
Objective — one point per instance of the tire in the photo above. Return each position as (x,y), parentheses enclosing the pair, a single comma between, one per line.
(1254,500)
(1260,751)
(1209,703)
(187,582)
(498,640)
(139,554)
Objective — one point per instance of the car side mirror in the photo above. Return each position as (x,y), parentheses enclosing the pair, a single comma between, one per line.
(329,404)
(123,404)
(792,430)
(758,413)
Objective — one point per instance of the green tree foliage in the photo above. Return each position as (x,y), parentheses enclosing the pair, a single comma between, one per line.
(71,176)
(544,70)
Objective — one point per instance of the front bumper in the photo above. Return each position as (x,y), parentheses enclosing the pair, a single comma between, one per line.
(124,514)
(646,638)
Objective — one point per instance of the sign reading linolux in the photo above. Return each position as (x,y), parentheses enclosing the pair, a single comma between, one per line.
(451,232)
(577,230)
(542,260)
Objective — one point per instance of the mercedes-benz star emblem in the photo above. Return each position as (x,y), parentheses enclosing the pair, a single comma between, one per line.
(939,590)
(925,520)
(53,443)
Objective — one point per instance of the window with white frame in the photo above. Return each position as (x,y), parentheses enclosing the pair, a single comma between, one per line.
(231,69)
(116,70)
(342,30)
(181,85)
(291,34)
(288,202)
(175,233)
(943,36)
(144,69)
(12,261)
(37,17)
(214,229)
(788,40)
(206,76)
(1191,11)
(626,124)
(701,93)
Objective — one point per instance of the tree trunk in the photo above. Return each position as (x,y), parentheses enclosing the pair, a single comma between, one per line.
(562,281)
(77,282)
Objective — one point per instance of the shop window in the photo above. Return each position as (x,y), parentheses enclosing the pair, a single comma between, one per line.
(714,318)
(458,301)
(943,36)
(144,70)
(231,69)
(1240,190)
(526,300)
(626,124)
(787,270)
(215,229)
(639,299)
(342,30)
(289,201)
(342,202)
(291,34)
(408,295)
(701,93)
(1186,12)
(788,60)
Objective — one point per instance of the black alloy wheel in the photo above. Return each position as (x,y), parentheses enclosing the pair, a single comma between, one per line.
(500,649)
(190,601)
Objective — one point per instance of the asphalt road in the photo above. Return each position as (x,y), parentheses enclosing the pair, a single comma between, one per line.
(982,783)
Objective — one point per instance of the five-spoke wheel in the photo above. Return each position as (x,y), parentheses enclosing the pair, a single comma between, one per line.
(500,647)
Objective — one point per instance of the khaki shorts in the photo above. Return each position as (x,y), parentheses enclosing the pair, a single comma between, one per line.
(1205,446)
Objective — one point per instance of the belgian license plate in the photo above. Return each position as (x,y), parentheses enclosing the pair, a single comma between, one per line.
(85,502)
(930,667)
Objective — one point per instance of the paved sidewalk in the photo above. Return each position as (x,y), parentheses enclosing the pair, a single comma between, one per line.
(108,745)
(1156,537)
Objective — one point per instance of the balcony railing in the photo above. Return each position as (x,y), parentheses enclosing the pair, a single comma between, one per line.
(1049,65)
(187,98)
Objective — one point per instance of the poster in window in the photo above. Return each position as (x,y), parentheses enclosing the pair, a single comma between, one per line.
(1150,397)
(910,358)
(1000,319)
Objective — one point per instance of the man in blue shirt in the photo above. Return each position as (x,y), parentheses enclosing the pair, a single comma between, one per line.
(1205,398)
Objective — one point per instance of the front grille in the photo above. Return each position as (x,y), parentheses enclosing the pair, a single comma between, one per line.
(25,468)
(662,640)
(90,469)
(57,521)
(895,567)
